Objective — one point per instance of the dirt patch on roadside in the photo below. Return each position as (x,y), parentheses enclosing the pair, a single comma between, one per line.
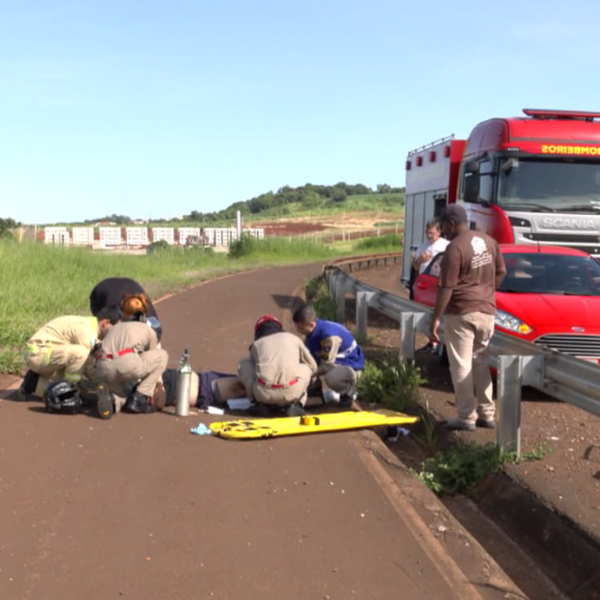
(352,221)
(278,228)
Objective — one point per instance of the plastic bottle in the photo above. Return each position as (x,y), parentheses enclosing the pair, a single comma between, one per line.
(184,384)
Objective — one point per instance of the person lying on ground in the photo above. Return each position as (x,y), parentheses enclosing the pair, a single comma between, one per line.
(278,370)
(62,350)
(129,363)
(204,390)
(339,358)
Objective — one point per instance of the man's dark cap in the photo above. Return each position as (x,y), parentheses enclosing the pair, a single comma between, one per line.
(454,212)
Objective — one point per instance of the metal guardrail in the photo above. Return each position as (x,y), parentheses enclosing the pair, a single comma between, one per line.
(518,363)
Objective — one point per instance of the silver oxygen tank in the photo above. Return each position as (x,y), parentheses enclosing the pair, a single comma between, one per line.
(184,384)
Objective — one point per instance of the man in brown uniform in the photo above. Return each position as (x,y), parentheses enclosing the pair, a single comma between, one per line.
(471,270)
(279,369)
(61,349)
(129,354)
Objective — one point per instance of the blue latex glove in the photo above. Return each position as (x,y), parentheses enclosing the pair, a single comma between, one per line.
(202,429)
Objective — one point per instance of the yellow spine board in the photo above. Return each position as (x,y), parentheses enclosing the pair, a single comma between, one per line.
(245,429)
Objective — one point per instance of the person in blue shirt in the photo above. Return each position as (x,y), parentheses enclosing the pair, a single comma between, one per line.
(339,358)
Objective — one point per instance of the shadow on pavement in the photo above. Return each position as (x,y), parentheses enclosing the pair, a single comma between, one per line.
(287,302)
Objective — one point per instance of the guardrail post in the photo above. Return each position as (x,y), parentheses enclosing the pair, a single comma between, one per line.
(340,298)
(363,300)
(409,322)
(329,278)
(510,381)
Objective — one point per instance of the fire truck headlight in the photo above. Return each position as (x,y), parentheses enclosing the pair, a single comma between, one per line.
(510,322)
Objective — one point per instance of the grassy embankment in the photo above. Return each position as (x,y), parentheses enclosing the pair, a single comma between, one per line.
(386,207)
(39,282)
(385,204)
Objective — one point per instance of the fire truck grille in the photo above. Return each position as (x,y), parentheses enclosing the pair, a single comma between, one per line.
(577,345)
(563,238)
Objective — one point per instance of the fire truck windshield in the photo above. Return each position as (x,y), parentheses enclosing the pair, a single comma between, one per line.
(552,185)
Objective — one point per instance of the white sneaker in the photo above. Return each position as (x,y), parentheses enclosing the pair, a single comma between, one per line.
(329,396)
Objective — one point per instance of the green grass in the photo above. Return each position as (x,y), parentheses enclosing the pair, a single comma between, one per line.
(40,282)
(382,203)
(390,381)
(392,204)
(462,467)
(390,242)
(389,224)
(317,294)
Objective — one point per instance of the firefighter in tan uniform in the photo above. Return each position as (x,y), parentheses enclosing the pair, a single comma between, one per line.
(279,370)
(129,354)
(62,349)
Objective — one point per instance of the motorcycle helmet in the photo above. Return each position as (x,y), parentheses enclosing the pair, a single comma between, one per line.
(62,396)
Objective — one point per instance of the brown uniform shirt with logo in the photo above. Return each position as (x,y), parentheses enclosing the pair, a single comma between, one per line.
(469,268)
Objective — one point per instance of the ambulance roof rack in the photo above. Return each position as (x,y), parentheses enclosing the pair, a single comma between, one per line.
(435,143)
(541,113)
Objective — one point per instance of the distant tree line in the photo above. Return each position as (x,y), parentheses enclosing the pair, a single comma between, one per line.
(116,219)
(6,227)
(306,197)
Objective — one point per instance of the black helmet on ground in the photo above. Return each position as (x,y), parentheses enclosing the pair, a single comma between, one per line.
(62,396)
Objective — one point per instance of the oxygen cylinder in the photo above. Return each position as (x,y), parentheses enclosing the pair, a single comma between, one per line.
(184,384)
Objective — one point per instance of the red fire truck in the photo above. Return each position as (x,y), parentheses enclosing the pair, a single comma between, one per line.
(523,180)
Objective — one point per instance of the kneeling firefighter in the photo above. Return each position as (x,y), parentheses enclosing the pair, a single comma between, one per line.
(129,363)
(279,369)
(62,350)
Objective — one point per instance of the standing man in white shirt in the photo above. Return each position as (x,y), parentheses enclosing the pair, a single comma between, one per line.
(434,244)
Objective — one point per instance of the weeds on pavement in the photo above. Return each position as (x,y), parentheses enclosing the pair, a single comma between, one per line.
(363,340)
(427,437)
(317,294)
(391,382)
(463,466)
(389,243)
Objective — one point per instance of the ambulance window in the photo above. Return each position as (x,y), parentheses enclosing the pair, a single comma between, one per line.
(486,181)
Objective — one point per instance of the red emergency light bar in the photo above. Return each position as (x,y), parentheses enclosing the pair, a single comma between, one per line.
(541,113)
(419,161)
(446,151)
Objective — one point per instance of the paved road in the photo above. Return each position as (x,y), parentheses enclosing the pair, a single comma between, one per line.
(137,507)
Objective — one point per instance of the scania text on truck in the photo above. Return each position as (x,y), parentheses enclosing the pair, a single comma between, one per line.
(523,180)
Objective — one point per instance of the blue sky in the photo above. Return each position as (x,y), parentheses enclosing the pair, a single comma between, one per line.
(155,109)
